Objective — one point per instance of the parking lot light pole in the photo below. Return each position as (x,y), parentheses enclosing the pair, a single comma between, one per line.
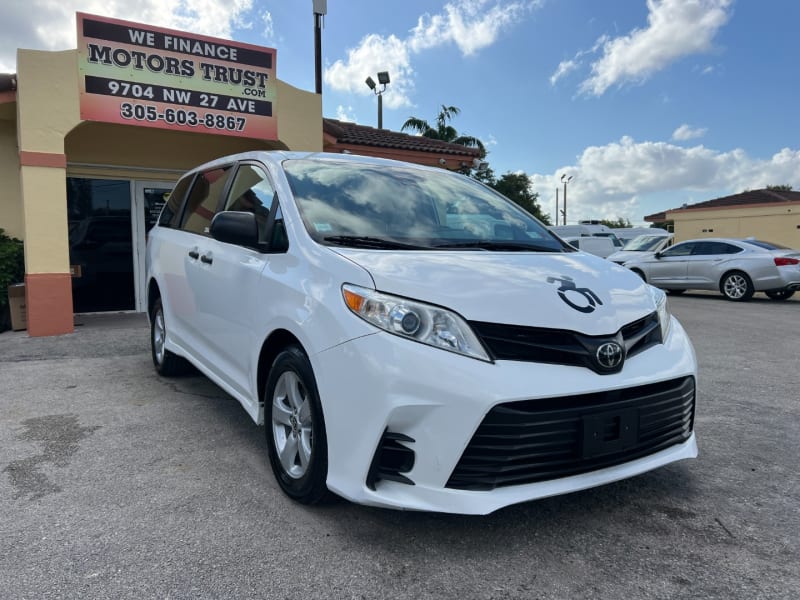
(565,180)
(383,81)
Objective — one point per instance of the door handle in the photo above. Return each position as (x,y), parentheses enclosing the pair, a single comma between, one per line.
(194,254)
(206,259)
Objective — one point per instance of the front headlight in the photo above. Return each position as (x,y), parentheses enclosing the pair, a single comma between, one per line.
(424,323)
(664,316)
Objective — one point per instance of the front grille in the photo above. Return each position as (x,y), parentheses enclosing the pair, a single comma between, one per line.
(564,347)
(537,440)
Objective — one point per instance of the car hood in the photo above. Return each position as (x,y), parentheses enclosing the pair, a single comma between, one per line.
(572,291)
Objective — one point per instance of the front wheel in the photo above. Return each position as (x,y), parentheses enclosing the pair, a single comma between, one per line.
(736,286)
(780,294)
(295,428)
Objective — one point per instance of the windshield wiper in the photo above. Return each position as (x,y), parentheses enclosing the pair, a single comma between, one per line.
(501,246)
(363,241)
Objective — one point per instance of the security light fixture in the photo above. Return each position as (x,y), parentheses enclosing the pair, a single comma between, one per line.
(383,81)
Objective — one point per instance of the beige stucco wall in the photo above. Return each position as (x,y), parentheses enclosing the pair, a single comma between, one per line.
(10,205)
(299,118)
(47,109)
(779,223)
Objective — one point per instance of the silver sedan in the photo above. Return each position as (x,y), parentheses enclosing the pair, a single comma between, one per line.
(737,268)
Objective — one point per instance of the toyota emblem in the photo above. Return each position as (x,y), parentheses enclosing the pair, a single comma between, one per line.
(609,355)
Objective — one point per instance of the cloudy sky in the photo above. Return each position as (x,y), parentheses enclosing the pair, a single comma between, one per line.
(647,104)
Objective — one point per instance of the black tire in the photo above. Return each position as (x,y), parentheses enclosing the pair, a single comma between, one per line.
(675,292)
(295,428)
(165,362)
(640,274)
(779,294)
(736,286)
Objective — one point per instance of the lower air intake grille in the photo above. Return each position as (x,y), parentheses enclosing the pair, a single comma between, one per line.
(537,440)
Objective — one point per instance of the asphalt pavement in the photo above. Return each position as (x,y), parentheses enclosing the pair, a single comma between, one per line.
(116,483)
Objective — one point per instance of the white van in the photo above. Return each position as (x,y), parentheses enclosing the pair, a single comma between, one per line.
(599,246)
(410,338)
(587,230)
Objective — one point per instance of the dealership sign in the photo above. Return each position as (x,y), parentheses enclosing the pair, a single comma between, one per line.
(153,77)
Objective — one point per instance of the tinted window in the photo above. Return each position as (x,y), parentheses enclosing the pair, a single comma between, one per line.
(252,192)
(680,250)
(203,199)
(170,214)
(713,248)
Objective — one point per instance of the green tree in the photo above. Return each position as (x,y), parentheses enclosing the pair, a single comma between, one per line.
(620,222)
(443,130)
(517,187)
(780,188)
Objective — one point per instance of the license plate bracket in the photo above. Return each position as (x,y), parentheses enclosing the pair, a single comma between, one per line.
(609,432)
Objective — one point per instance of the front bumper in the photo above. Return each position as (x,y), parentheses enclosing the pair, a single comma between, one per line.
(381,383)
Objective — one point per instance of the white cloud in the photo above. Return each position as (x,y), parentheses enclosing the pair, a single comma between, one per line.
(53,27)
(612,181)
(564,68)
(685,132)
(344,113)
(375,53)
(469,24)
(676,28)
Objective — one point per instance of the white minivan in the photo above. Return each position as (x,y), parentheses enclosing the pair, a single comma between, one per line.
(412,339)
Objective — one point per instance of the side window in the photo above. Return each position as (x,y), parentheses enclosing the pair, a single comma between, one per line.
(171,212)
(203,199)
(704,249)
(252,192)
(723,248)
(679,250)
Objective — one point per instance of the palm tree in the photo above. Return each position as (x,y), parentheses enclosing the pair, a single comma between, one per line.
(443,131)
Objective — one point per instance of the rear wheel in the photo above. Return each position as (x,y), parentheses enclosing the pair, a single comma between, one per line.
(780,294)
(736,286)
(165,362)
(295,428)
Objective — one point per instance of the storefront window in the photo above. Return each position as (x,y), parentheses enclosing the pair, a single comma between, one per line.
(100,244)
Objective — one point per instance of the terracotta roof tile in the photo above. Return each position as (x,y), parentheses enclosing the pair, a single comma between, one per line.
(352,133)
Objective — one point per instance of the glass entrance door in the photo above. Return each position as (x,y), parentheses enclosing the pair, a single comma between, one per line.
(148,198)
(100,244)
(108,224)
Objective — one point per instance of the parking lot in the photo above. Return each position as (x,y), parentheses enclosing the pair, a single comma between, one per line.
(115,483)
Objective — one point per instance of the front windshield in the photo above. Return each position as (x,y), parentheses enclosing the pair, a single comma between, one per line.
(351,203)
(644,243)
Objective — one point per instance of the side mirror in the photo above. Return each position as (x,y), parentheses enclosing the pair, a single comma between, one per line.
(658,254)
(235,227)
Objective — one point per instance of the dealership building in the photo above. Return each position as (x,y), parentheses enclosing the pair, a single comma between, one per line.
(92,140)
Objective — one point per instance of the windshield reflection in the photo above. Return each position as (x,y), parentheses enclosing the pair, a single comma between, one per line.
(426,208)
